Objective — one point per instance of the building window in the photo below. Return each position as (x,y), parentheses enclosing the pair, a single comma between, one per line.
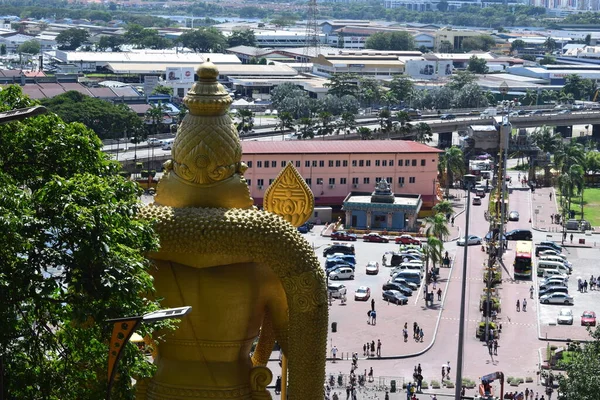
(260,182)
(271,181)
(321,163)
(384,163)
(283,164)
(414,163)
(355,181)
(298,164)
(330,163)
(366,181)
(377,179)
(389,180)
(411,179)
(342,181)
(400,162)
(249,182)
(266,164)
(423,163)
(307,163)
(319,181)
(259,164)
(392,163)
(361,163)
(368,163)
(332,181)
(345,163)
(354,163)
(274,164)
(181,92)
(249,164)
(407,163)
(308,181)
(314,163)
(401,180)
(377,163)
(338,163)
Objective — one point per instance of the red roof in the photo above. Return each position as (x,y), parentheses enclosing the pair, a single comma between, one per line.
(316,146)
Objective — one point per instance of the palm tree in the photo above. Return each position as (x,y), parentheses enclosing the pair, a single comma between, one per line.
(548,142)
(326,123)
(385,120)
(576,176)
(246,117)
(307,125)
(432,250)
(405,125)
(365,133)
(155,116)
(444,207)
(423,133)
(453,162)
(437,226)
(571,154)
(346,123)
(530,97)
(285,120)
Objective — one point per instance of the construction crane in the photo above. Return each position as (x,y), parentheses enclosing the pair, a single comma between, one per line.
(485,388)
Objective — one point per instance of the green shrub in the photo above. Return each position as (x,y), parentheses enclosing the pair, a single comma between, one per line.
(468,383)
(449,384)
(528,379)
(435,384)
(509,379)
(424,385)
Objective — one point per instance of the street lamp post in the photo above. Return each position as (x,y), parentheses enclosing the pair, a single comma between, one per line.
(469,180)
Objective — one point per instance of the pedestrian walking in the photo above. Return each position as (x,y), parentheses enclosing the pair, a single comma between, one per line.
(495,347)
(372,304)
(524,305)
(571,238)
(278,385)
(387,395)
(369,317)
(421,335)
(373,317)
(371,374)
(550,195)
(531,289)
(405,334)
(434,284)
(443,372)
(518,306)
(334,352)
(364,349)
(383,260)
(347,392)
(415,327)
(448,369)
(439,293)
(527,393)
(585,286)
(490,346)
(452,220)
(378,348)
(419,369)
(372,347)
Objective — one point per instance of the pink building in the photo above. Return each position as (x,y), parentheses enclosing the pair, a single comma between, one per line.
(333,169)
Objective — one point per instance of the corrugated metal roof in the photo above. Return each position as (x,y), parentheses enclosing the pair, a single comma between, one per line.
(337,146)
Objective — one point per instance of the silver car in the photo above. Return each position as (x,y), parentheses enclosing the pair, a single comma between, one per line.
(557,298)
(565,316)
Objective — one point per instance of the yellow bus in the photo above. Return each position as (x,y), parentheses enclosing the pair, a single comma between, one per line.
(522,265)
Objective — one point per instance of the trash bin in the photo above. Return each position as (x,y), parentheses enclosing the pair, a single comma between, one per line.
(334,327)
(582,241)
(393,386)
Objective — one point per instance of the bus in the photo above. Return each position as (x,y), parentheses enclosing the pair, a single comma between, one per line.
(522,264)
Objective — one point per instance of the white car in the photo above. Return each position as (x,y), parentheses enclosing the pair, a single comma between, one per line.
(372,268)
(565,316)
(154,142)
(473,239)
(342,273)
(557,298)
(337,290)
(363,293)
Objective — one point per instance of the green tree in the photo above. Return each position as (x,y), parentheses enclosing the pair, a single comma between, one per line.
(346,123)
(578,87)
(548,142)
(437,226)
(245,121)
(461,79)
(580,379)
(517,44)
(343,84)
(108,120)
(370,91)
(113,43)
(402,88)
(326,125)
(285,120)
(469,96)
(72,257)
(365,133)
(29,47)
(2,49)
(423,133)
(432,251)
(446,47)
(530,97)
(480,42)
(161,89)
(285,91)
(399,41)
(204,40)
(307,127)
(550,44)
(72,38)
(444,207)
(141,37)
(243,37)
(547,60)
(404,119)
(385,121)
(155,117)
(477,65)
(453,164)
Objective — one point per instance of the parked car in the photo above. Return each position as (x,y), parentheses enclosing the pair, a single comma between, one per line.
(519,234)
(305,228)
(347,258)
(375,237)
(407,239)
(513,216)
(588,318)
(554,289)
(545,250)
(343,248)
(551,244)
(411,285)
(489,235)
(473,239)
(343,235)
(447,117)
(337,290)
(405,290)
(565,316)
(372,268)
(332,267)
(341,273)
(476,201)
(363,293)
(564,112)
(552,282)
(394,296)
(557,298)
(154,142)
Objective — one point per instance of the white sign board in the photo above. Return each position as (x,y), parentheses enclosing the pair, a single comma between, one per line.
(150,82)
(421,69)
(179,74)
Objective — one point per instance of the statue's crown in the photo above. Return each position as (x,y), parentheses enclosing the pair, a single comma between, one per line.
(207,97)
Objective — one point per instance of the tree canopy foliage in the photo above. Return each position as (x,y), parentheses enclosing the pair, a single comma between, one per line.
(582,378)
(72,38)
(243,37)
(477,65)
(204,40)
(479,42)
(105,118)
(72,257)
(399,41)
(141,37)
(29,47)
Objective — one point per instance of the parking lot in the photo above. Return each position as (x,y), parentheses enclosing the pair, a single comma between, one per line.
(585,264)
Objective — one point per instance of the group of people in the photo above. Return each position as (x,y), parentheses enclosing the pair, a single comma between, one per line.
(369,349)
(527,395)
(524,304)
(593,284)
(493,346)
(372,314)
(417,332)
(418,377)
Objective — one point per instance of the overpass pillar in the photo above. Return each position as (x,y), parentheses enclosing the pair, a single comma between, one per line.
(444,140)
(565,131)
(596,131)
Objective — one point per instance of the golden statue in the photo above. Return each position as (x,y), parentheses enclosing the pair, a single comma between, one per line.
(247,273)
